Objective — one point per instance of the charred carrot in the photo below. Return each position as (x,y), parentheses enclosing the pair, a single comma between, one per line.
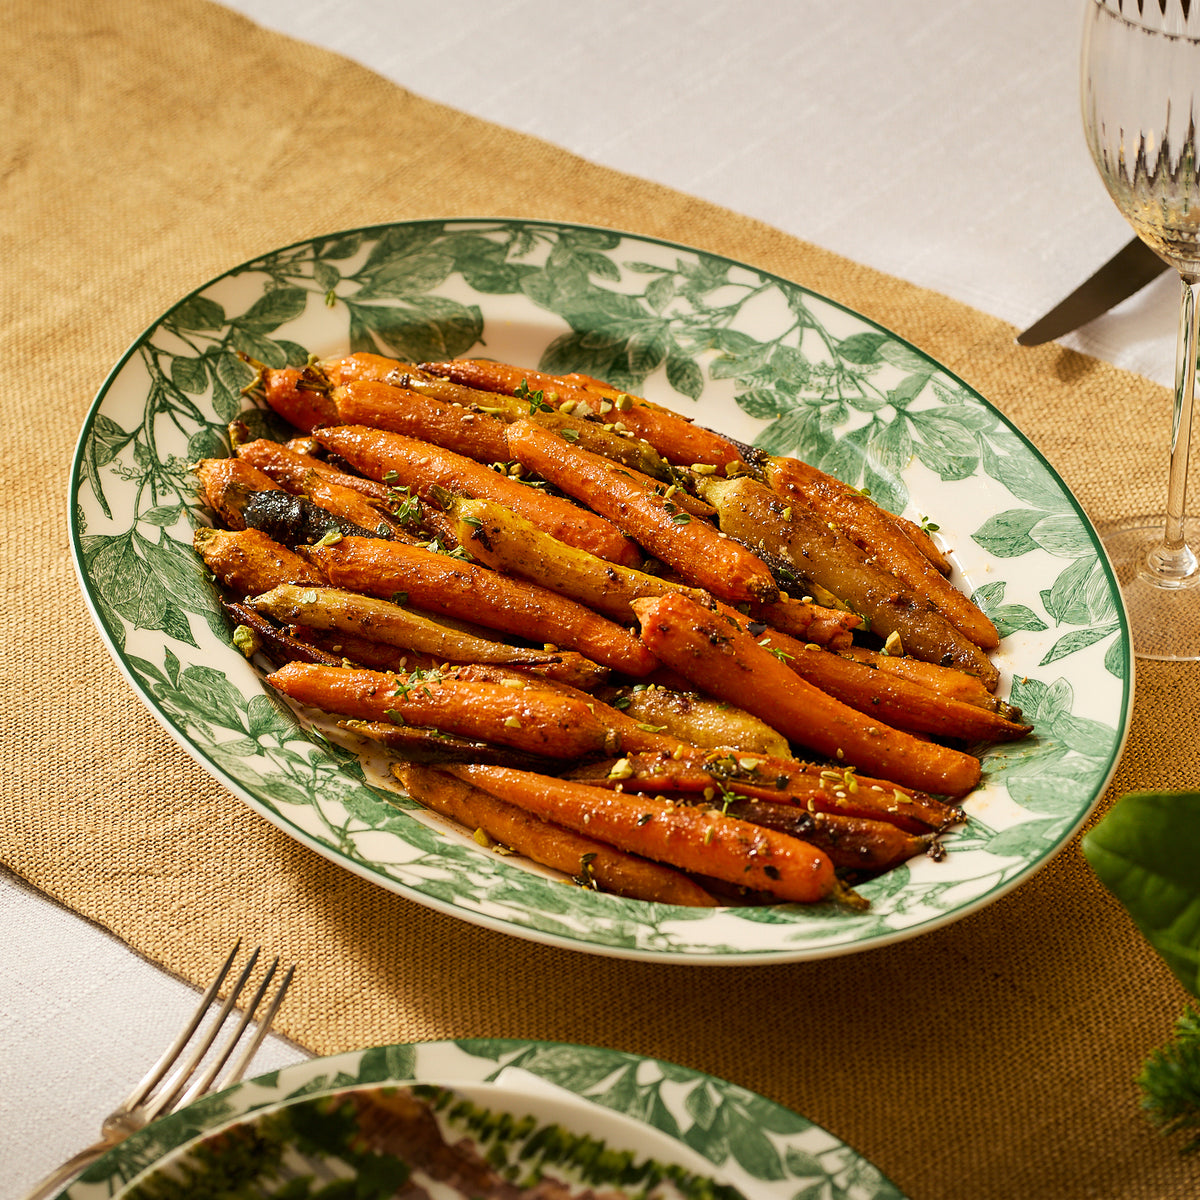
(925,543)
(699,841)
(671,434)
(253,632)
(831,627)
(452,587)
(691,545)
(946,681)
(724,660)
(292,472)
(589,862)
(420,466)
(247,561)
(531,718)
(227,483)
(875,531)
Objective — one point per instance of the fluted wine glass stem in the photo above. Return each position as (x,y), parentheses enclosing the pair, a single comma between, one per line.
(1173,561)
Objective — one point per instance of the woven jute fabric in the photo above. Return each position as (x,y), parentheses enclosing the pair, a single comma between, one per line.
(147,147)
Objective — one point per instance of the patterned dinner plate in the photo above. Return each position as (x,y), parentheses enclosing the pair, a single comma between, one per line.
(582,1116)
(748,353)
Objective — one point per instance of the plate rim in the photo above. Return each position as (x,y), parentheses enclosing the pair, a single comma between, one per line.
(295,1075)
(501,924)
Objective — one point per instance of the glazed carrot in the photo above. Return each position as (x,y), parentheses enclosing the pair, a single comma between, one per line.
(874,531)
(752,513)
(385,406)
(532,719)
(831,627)
(344,369)
(672,435)
(291,396)
(382,621)
(946,681)
(419,466)
(699,841)
(247,561)
(562,666)
(589,862)
(893,699)
(727,662)
(452,587)
(722,773)
(852,843)
(927,546)
(690,545)
(253,632)
(292,472)
(227,483)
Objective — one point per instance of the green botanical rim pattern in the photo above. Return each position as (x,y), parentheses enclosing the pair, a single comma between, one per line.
(753,355)
(745,1140)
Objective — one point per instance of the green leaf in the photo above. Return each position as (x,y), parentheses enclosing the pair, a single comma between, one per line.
(1006,535)
(1145,850)
(862,348)
(684,376)
(197,312)
(272,309)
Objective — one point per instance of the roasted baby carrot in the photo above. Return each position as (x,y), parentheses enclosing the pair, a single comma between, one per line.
(875,531)
(701,841)
(383,621)
(805,544)
(227,483)
(401,410)
(722,773)
(530,718)
(589,862)
(452,587)
(392,457)
(725,661)
(676,438)
(690,545)
(247,561)
(298,402)
(292,472)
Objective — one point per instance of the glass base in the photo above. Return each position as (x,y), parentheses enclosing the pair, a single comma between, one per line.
(1161,598)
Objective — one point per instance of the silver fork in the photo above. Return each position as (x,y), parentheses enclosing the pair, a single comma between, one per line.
(169,1084)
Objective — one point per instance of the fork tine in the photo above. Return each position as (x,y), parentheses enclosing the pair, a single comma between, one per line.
(238,1068)
(202,1082)
(160,1068)
(154,1105)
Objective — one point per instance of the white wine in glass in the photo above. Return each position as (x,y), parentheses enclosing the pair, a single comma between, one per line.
(1140,85)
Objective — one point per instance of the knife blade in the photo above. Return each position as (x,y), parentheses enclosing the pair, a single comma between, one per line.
(1128,271)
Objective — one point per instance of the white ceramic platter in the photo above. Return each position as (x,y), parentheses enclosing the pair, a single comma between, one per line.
(711,1130)
(752,355)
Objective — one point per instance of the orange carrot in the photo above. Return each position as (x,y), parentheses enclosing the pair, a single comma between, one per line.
(589,862)
(672,435)
(727,662)
(700,554)
(305,407)
(292,472)
(699,841)
(532,719)
(419,466)
(227,483)
(247,561)
(453,587)
(773,780)
(384,406)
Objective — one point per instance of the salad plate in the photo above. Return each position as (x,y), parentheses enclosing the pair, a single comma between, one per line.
(542,1119)
(735,348)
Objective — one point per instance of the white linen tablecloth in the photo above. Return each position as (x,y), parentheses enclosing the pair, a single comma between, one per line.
(936,140)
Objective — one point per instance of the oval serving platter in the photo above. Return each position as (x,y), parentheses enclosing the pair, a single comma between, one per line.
(699,1128)
(755,356)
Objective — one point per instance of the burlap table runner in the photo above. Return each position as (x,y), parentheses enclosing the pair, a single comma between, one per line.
(147,148)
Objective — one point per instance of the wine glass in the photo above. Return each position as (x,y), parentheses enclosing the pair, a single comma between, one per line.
(1140,90)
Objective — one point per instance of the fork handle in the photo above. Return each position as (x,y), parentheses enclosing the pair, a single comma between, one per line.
(64,1174)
